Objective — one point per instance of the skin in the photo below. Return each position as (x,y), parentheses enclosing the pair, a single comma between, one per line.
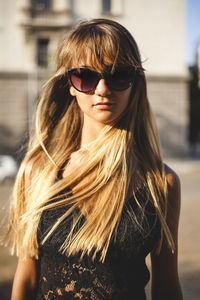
(96,116)
(165,281)
(26,279)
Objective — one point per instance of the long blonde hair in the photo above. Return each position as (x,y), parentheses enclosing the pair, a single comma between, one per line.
(127,150)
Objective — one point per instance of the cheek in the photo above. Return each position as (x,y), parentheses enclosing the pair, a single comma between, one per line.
(81,98)
(125,98)
(83,102)
(80,104)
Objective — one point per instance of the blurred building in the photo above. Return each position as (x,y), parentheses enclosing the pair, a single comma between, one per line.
(194,107)
(30,31)
(198,64)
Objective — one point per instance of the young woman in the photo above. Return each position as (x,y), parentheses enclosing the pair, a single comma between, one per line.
(92,197)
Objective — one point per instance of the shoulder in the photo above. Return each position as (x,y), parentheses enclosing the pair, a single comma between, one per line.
(173,179)
(165,281)
(174,193)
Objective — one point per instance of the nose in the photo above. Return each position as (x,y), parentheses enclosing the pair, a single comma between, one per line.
(102,89)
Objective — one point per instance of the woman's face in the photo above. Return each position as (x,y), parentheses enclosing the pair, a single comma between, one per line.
(102,105)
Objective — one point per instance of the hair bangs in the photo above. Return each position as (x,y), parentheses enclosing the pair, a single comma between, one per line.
(98,48)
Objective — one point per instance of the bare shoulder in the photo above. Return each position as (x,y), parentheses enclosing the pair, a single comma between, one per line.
(173,180)
(174,192)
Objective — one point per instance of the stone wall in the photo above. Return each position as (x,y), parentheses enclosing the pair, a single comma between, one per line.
(169,100)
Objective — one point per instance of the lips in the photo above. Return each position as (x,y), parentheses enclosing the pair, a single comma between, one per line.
(104,104)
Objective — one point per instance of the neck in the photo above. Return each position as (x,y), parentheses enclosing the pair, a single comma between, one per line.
(90,131)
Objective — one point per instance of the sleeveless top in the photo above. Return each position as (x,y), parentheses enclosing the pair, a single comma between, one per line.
(122,276)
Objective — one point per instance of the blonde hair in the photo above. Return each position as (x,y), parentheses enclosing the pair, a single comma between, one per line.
(126,150)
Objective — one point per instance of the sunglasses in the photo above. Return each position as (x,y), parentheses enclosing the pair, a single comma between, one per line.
(85,80)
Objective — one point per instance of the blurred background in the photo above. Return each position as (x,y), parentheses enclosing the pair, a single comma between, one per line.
(168,35)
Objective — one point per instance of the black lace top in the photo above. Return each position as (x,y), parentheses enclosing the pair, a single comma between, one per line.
(122,276)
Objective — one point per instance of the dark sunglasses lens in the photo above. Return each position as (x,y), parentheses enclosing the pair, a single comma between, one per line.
(84,80)
(122,78)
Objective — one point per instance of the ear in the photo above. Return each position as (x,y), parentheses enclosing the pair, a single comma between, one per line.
(72,91)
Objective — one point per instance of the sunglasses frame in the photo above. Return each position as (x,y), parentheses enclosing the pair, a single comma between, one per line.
(105,75)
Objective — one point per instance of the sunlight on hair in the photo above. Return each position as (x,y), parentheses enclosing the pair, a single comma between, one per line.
(126,152)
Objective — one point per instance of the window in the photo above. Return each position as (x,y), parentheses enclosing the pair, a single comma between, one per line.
(42,52)
(41,4)
(106,6)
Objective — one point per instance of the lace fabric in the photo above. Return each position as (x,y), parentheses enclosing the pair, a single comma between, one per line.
(123,275)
